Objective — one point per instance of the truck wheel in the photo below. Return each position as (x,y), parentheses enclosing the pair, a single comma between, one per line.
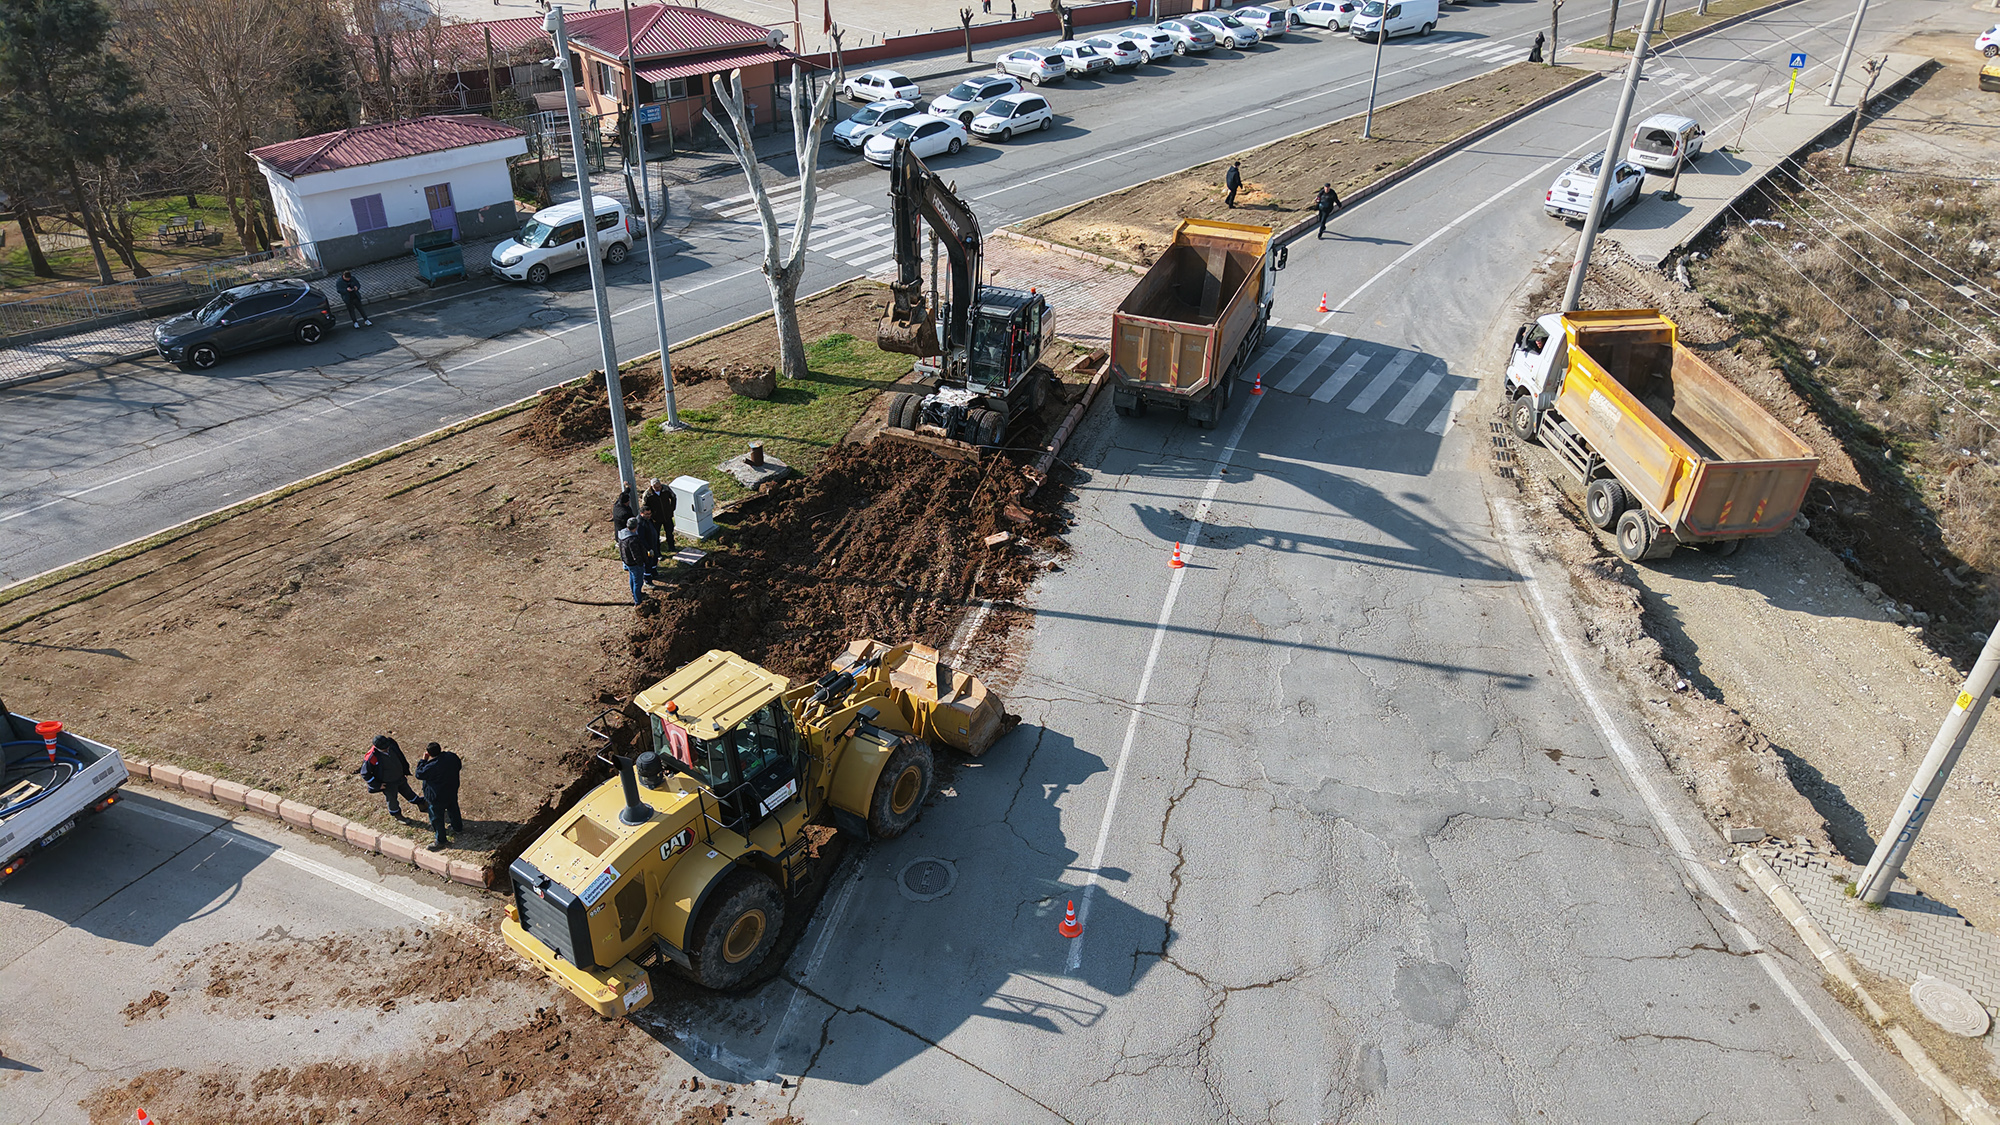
(900,791)
(1635,535)
(903,411)
(1038,391)
(737,931)
(1603,501)
(1525,419)
(1726,548)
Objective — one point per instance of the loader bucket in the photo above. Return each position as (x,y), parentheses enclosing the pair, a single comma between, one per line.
(943,704)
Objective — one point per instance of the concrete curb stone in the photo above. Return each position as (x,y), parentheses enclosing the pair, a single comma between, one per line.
(230,793)
(199,784)
(397,848)
(363,837)
(257,800)
(432,862)
(296,814)
(328,824)
(165,774)
(139,769)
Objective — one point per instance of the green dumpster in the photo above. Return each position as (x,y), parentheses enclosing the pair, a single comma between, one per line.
(439,257)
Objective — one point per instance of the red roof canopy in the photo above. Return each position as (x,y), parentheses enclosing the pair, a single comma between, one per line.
(389,140)
(658,30)
(711,64)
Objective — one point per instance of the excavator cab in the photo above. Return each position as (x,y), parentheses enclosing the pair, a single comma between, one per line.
(1007,338)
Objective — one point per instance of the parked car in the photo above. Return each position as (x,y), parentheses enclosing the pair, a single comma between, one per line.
(870,120)
(1404,17)
(1334,15)
(1121,51)
(1569,197)
(1081,58)
(1989,43)
(880,85)
(554,240)
(1664,140)
(1229,31)
(1270,22)
(1036,64)
(1156,43)
(240,319)
(970,98)
(1188,36)
(929,134)
(1013,115)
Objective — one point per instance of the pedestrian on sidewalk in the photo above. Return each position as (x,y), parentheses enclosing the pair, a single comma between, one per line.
(986,6)
(438,769)
(1232,179)
(387,771)
(1328,202)
(1013,13)
(638,561)
(1535,52)
(660,504)
(350,295)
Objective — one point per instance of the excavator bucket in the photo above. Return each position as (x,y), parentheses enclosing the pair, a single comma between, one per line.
(910,328)
(941,703)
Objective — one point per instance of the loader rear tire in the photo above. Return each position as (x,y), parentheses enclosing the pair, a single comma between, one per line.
(1604,501)
(901,790)
(736,931)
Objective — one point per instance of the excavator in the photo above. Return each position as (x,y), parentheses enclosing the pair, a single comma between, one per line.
(977,355)
(689,859)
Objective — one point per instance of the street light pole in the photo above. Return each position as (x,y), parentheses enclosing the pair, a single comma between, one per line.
(1846,53)
(673,421)
(1901,835)
(1613,145)
(1381,37)
(608,349)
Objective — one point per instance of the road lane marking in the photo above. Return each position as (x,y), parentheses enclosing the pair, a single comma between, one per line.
(1441,424)
(1342,377)
(1385,379)
(1310,365)
(1426,383)
(1192,538)
(1656,807)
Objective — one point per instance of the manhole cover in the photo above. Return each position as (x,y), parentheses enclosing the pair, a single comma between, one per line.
(927,878)
(1949,1006)
(546,316)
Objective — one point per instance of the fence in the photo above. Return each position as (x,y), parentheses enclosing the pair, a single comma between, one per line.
(79,310)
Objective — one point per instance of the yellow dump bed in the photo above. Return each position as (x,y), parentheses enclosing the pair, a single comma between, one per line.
(1179,329)
(1701,455)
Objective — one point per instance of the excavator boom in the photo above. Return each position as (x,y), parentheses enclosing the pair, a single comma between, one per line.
(911,327)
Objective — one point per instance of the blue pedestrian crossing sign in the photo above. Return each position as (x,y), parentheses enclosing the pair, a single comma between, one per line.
(650,114)
(1798,60)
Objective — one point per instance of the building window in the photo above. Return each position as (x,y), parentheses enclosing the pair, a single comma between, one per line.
(437,197)
(607,80)
(368,214)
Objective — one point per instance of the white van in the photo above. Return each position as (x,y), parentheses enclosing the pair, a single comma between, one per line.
(1663,140)
(554,240)
(1405,17)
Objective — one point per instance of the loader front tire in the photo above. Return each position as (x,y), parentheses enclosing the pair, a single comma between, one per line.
(900,791)
(736,931)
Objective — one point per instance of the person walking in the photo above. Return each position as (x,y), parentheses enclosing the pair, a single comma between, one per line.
(638,561)
(438,769)
(1328,202)
(660,504)
(1232,179)
(387,772)
(1535,52)
(350,295)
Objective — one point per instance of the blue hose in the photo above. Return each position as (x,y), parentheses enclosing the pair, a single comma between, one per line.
(65,758)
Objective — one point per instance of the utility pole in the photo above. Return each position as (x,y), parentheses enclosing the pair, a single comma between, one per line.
(1614,144)
(1873,67)
(1846,53)
(621,443)
(1901,835)
(673,421)
(1381,37)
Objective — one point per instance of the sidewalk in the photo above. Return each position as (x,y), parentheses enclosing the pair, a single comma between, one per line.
(1655,229)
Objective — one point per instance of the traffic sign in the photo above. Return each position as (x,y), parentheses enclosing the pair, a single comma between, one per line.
(1798,60)
(650,114)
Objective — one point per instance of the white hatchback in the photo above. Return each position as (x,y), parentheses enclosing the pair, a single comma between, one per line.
(1081,58)
(1229,31)
(879,86)
(1036,64)
(1156,43)
(1013,115)
(871,119)
(1569,197)
(1989,43)
(1334,15)
(1270,21)
(1121,51)
(929,135)
(966,100)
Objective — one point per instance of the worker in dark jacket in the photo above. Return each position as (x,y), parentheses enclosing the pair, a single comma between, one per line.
(387,772)
(1232,179)
(637,557)
(438,770)
(1327,203)
(621,511)
(650,536)
(660,504)
(350,295)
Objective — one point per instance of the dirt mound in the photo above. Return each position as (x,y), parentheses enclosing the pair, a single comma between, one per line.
(574,415)
(883,540)
(339,972)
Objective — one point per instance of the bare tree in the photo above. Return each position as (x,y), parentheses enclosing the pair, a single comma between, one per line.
(782,268)
(965,22)
(1555,20)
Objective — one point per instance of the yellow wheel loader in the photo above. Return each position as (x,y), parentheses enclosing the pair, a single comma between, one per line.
(690,858)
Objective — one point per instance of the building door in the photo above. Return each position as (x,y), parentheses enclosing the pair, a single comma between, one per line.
(437,198)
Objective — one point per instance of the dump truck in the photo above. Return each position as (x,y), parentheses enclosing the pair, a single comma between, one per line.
(689,858)
(1669,452)
(1187,328)
(53,779)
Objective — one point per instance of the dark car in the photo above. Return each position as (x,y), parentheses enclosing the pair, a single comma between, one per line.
(246,317)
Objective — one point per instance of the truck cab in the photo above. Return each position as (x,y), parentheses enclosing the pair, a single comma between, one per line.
(1535,370)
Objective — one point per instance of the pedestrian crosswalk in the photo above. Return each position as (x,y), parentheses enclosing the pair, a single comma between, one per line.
(1481,50)
(1472,47)
(1405,387)
(842,228)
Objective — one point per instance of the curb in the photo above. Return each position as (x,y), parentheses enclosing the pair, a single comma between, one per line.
(306,818)
(1970,1108)
(1045,244)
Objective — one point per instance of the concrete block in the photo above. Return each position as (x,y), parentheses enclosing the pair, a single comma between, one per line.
(296,814)
(329,824)
(397,848)
(164,774)
(139,768)
(258,800)
(1744,835)
(197,783)
(364,837)
(233,794)
(433,862)
(471,874)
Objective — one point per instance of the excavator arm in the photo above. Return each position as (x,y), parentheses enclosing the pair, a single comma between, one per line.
(916,192)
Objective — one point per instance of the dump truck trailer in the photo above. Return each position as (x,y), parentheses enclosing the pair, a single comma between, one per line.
(1670,453)
(52,779)
(1187,328)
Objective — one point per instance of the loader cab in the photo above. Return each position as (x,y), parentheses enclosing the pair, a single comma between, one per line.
(749,769)
(1009,329)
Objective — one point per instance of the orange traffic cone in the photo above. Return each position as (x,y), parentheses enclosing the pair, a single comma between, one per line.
(1322,303)
(1175,562)
(1069,926)
(143,1119)
(1257,388)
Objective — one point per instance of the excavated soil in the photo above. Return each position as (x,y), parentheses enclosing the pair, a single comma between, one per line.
(1282,179)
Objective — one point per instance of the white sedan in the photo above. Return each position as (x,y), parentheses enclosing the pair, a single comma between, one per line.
(1569,197)
(965,100)
(879,86)
(1036,64)
(928,134)
(1156,43)
(1121,51)
(1269,21)
(1013,115)
(1081,58)
(869,120)
(1334,15)
(1229,31)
